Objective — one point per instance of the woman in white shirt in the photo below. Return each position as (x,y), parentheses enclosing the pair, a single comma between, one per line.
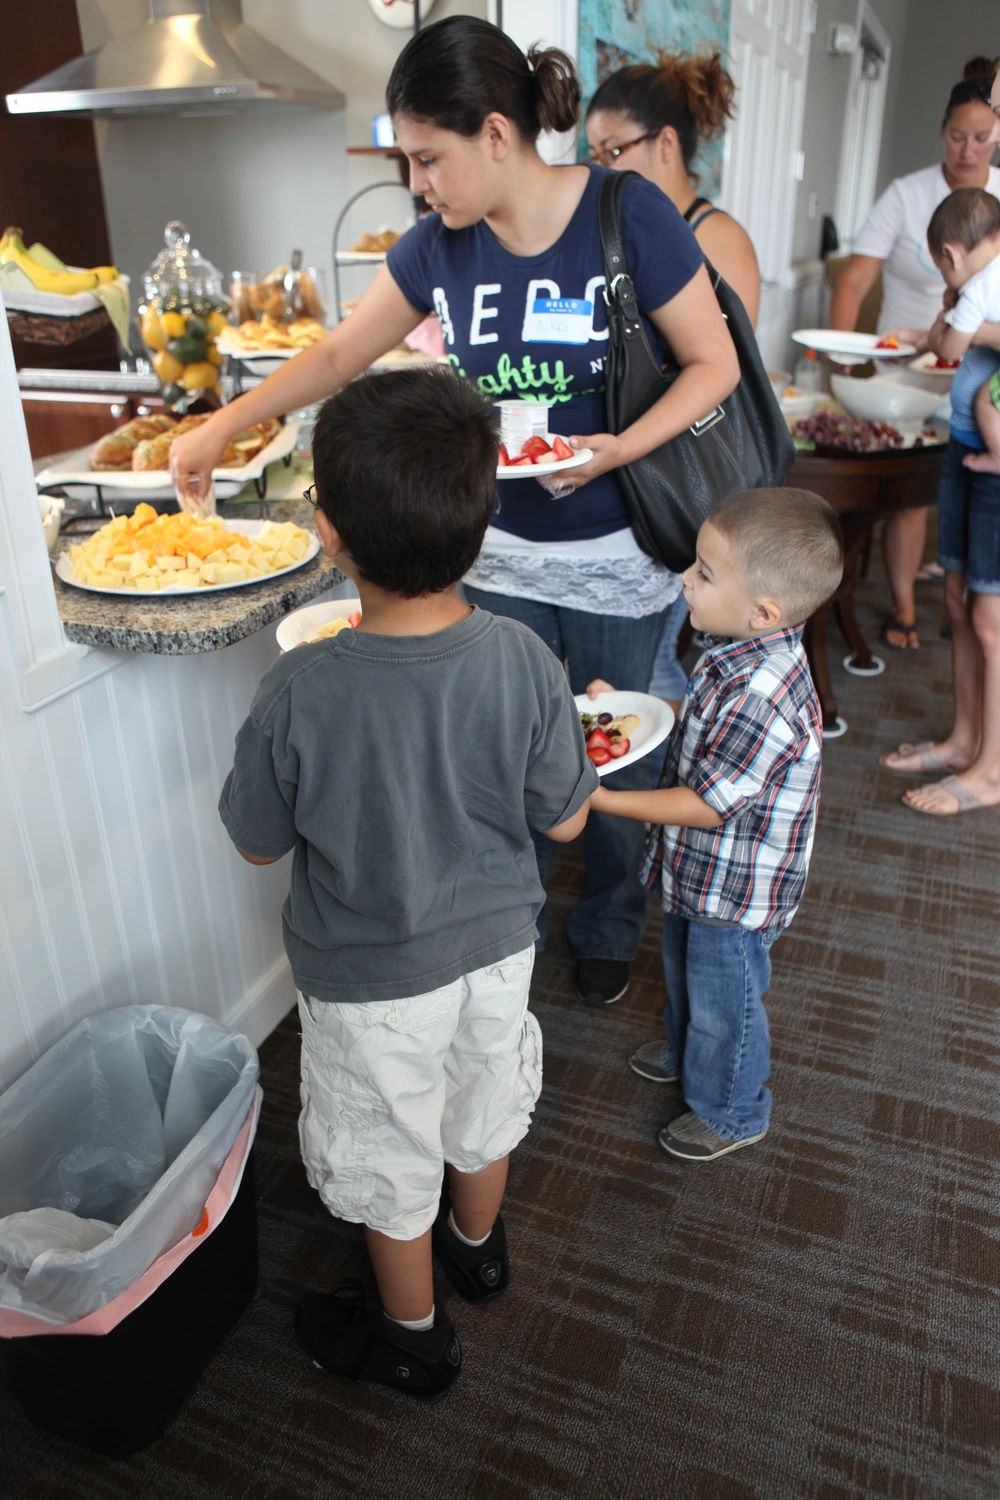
(894,241)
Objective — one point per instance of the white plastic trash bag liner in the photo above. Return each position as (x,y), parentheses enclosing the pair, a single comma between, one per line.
(109,1149)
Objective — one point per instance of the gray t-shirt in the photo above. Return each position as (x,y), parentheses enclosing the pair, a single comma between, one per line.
(407,773)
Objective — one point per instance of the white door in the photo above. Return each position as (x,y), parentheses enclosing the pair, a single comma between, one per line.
(769,51)
(862,127)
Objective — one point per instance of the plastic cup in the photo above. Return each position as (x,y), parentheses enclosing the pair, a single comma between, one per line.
(520,420)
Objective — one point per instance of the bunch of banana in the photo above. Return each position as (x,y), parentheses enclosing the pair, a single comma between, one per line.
(46,271)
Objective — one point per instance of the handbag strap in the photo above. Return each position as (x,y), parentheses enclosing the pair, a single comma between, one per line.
(619,293)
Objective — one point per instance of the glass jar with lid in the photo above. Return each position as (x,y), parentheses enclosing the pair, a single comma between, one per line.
(183,313)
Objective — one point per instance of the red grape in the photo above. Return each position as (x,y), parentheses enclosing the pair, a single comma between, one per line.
(830,430)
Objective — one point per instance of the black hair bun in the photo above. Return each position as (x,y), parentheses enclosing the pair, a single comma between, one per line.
(981,69)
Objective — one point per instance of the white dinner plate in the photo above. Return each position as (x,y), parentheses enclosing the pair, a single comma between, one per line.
(854,348)
(656,719)
(510,471)
(926,365)
(297,628)
(245,528)
(360,257)
(156,484)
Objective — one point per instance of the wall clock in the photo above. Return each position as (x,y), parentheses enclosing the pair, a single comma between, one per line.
(399,13)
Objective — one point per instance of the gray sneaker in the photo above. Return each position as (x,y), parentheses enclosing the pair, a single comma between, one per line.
(691,1139)
(648,1063)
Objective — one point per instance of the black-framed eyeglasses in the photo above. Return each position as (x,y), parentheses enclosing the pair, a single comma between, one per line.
(309,496)
(610,156)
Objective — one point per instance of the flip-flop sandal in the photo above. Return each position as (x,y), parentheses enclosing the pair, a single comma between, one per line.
(933,573)
(930,759)
(908,630)
(963,795)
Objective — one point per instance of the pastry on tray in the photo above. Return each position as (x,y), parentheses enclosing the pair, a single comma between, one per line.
(115,450)
(375,244)
(153,453)
(271,333)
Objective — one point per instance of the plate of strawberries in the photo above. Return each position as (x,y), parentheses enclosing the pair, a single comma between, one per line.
(622,727)
(540,456)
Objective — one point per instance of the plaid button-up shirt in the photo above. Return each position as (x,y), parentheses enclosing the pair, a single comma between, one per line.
(748,741)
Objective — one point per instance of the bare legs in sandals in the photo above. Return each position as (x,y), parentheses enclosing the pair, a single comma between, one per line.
(971,751)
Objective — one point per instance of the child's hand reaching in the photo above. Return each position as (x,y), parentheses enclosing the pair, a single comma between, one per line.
(598,686)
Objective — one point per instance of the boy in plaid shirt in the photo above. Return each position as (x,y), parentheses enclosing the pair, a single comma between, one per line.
(734,814)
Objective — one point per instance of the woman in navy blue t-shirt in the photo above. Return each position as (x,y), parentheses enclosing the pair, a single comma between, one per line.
(507,235)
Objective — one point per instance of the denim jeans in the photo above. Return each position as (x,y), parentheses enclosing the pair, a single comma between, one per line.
(969,521)
(610,916)
(716,1022)
(669,678)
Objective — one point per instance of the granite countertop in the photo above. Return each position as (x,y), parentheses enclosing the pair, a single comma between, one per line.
(192,623)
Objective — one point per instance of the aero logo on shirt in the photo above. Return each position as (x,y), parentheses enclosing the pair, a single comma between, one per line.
(548,318)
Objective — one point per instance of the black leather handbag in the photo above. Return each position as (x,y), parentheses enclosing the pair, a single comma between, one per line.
(744,444)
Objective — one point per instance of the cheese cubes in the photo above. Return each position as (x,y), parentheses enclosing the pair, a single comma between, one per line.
(151,553)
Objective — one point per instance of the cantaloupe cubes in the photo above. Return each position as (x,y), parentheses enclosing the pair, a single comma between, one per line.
(147,552)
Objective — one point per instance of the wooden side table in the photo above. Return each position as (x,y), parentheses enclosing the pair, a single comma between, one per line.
(861,488)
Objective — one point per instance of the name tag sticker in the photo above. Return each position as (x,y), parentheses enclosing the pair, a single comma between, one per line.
(559,320)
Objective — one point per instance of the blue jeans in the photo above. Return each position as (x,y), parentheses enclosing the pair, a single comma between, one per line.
(716,1022)
(969,521)
(669,677)
(610,916)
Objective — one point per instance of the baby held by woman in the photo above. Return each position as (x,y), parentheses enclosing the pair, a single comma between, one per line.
(964,240)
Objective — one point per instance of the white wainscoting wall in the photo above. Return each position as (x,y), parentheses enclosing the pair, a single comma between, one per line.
(118,883)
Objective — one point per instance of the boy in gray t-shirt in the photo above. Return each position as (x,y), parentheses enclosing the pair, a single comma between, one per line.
(406,763)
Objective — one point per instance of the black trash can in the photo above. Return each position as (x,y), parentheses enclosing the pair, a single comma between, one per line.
(117,1392)
(121,1150)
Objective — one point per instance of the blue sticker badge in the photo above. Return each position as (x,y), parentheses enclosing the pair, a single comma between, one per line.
(559,320)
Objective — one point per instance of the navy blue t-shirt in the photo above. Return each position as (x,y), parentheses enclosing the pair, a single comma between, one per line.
(486,297)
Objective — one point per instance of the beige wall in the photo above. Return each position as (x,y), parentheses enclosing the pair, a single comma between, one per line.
(826,104)
(250,187)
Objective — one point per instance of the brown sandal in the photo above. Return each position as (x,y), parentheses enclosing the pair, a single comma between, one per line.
(910,631)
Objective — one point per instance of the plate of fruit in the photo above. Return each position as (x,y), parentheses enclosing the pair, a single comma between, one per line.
(318,622)
(541,456)
(853,348)
(931,364)
(622,727)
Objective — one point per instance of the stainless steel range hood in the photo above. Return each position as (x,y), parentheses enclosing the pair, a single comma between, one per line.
(192,57)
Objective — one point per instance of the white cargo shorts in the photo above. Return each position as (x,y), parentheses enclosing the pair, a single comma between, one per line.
(393,1089)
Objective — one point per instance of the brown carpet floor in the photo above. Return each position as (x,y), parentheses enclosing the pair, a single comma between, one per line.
(816,1316)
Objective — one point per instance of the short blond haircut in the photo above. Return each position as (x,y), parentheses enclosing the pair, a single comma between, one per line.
(787,544)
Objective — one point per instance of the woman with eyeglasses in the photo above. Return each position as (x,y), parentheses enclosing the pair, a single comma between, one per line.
(653,118)
(894,242)
(510,259)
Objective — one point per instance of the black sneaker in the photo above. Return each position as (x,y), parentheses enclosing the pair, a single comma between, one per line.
(601,981)
(347,1333)
(477,1272)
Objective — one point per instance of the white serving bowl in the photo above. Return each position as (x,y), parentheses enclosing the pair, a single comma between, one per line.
(884,398)
(297,627)
(51,513)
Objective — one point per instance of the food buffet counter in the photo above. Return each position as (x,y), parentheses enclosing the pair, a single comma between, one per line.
(192,623)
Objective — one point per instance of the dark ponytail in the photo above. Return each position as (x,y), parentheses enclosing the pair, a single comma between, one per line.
(459,70)
(975,87)
(693,93)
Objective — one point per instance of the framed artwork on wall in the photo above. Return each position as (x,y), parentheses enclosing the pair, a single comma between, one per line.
(616,33)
